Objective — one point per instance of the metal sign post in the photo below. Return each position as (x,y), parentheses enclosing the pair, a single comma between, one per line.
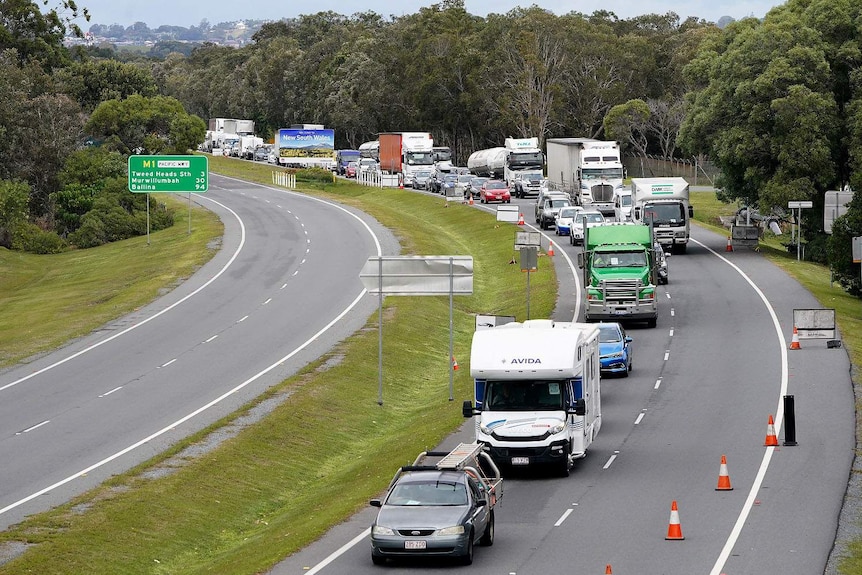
(417,275)
(528,244)
(799,205)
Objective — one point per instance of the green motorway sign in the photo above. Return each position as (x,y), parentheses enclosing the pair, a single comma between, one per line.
(168,174)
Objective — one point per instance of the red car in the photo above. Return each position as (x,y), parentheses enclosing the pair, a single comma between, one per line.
(494,191)
(350,170)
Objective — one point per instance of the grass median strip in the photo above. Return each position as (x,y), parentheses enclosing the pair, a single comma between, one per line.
(326,449)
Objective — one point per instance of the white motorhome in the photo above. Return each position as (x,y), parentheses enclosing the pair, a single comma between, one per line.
(664,204)
(537,392)
(590,170)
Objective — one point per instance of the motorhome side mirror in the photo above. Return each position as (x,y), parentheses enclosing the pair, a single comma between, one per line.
(581,260)
(467,409)
(375,503)
(637,212)
(690,212)
(580,407)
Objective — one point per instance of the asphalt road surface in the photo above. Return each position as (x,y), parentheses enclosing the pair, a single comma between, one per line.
(283,289)
(704,384)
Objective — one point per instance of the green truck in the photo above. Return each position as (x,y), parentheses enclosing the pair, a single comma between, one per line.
(620,273)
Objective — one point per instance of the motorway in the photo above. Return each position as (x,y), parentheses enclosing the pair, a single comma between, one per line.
(704,383)
(283,289)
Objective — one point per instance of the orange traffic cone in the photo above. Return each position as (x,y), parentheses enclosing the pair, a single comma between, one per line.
(674,530)
(723,477)
(470,201)
(729,247)
(454,363)
(608,570)
(794,341)
(551,249)
(520,219)
(771,438)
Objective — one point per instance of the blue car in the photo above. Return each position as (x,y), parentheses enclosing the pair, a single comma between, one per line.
(615,349)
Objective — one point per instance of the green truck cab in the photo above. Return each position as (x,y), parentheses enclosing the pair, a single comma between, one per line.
(620,273)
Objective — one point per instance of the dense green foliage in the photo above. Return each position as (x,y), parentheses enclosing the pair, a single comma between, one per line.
(778,108)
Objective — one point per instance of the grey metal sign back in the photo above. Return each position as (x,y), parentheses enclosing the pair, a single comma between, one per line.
(418,275)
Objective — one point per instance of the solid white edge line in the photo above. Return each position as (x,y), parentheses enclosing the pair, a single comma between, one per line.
(341,550)
(225,395)
(767,455)
(152,317)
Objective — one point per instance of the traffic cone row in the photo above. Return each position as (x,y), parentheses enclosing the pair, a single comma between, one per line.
(794,341)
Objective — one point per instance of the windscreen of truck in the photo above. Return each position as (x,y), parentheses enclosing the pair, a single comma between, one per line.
(665,214)
(419,158)
(619,259)
(602,173)
(523,395)
(523,160)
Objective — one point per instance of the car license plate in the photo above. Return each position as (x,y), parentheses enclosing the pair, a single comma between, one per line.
(520,461)
(414,544)
(620,312)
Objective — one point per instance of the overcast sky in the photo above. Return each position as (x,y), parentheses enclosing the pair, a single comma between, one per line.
(186,13)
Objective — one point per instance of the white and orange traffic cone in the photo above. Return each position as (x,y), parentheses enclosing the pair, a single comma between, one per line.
(674,530)
(520,219)
(551,249)
(723,477)
(771,438)
(608,570)
(794,341)
(454,364)
(470,201)
(729,247)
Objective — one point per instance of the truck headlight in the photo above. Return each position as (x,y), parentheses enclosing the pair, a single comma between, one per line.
(484,429)
(679,234)
(558,428)
(381,530)
(454,530)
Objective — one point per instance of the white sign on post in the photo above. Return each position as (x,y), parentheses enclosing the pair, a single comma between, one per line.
(508,213)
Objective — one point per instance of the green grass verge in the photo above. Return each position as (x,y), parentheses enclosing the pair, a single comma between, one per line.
(319,456)
(46,300)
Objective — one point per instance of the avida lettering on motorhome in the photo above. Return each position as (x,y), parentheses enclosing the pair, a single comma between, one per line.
(537,392)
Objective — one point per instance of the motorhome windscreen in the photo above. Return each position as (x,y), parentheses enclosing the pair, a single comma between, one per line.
(523,395)
(602,173)
(667,214)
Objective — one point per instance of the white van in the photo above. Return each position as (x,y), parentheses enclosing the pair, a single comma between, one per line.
(623,205)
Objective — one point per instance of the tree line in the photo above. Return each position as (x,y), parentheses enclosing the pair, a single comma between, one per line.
(774,103)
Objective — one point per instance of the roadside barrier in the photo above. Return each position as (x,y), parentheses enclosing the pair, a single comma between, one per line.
(284,179)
